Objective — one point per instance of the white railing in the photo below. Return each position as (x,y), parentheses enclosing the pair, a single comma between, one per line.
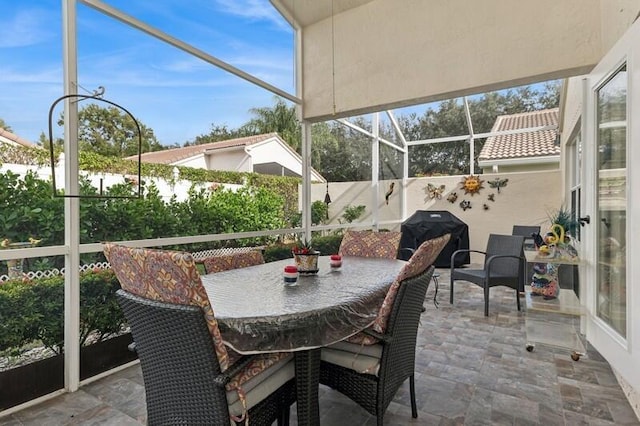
(55,272)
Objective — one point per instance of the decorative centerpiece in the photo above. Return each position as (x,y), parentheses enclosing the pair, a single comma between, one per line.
(306,257)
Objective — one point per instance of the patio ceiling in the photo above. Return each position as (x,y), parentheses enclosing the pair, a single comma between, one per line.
(360,56)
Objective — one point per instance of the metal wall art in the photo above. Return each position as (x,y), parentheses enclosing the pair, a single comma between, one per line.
(498,183)
(389,192)
(465,204)
(452,197)
(434,192)
(471,184)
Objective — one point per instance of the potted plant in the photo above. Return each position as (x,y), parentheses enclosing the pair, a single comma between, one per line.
(566,220)
(305,256)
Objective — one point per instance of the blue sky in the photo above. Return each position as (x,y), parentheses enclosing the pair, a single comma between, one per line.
(176,95)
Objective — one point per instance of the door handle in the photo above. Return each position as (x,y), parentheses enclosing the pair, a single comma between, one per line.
(584,220)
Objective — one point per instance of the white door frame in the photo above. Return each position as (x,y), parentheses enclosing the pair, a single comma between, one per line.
(623,354)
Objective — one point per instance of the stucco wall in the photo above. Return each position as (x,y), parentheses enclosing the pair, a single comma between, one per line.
(236,160)
(526,200)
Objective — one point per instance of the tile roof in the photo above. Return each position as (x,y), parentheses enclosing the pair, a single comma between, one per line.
(173,155)
(5,134)
(522,145)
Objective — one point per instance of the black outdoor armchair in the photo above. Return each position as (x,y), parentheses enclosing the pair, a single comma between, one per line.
(504,265)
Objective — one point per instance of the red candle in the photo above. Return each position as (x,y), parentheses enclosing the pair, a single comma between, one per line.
(335,261)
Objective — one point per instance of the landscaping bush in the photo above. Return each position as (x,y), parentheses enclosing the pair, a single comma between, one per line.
(29,211)
(33,311)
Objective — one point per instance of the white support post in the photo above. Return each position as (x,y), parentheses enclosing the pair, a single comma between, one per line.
(71,205)
(375,168)
(472,146)
(405,165)
(306,180)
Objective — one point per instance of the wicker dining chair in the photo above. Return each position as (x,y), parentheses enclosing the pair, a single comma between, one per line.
(371,366)
(370,244)
(190,377)
(504,265)
(232,261)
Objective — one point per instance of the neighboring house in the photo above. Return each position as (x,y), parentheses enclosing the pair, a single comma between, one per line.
(266,154)
(12,139)
(527,151)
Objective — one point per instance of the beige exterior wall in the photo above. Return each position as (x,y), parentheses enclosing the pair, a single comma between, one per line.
(448,49)
(526,200)
(236,160)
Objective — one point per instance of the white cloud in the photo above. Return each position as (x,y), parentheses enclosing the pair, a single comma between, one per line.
(254,10)
(25,28)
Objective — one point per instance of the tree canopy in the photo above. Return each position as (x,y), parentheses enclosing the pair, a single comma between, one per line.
(112,132)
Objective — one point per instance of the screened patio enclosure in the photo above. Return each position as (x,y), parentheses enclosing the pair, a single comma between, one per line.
(366,56)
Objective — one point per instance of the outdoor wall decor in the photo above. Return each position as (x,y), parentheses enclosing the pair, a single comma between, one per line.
(434,192)
(485,206)
(389,192)
(452,197)
(465,204)
(471,184)
(491,197)
(498,183)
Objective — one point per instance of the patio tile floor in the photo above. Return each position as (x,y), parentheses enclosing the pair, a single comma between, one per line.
(470,370)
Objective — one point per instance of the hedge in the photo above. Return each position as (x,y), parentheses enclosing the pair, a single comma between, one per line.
(33,311)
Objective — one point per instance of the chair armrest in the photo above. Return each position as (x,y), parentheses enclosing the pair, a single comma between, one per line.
(522,260)
(457,252)
(223,378)
(383,337)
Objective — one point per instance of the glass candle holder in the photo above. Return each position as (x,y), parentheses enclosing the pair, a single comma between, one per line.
(335,261)
(290,274)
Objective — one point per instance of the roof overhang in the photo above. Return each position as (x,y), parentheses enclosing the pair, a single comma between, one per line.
(547,159)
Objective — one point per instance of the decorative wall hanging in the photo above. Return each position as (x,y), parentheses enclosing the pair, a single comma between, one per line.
(471,184)
(498,183)
(434,192)
(491,197)
(327,200)
(465,204)
(389,192)
(452,197)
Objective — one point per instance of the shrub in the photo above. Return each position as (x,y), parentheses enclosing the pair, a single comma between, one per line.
(34,311)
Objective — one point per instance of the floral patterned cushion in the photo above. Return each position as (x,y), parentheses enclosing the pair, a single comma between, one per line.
(370,244)
(165,276)
(232,261)
(423,257)
(172,277)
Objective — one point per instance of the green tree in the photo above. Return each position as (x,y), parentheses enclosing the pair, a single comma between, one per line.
(112,132)
(4,125)
(280,118)
(219,133)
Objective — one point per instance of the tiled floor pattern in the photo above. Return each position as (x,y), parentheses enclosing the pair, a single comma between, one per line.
(471,370)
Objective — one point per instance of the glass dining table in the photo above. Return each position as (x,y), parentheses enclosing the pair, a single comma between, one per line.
(257,312)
